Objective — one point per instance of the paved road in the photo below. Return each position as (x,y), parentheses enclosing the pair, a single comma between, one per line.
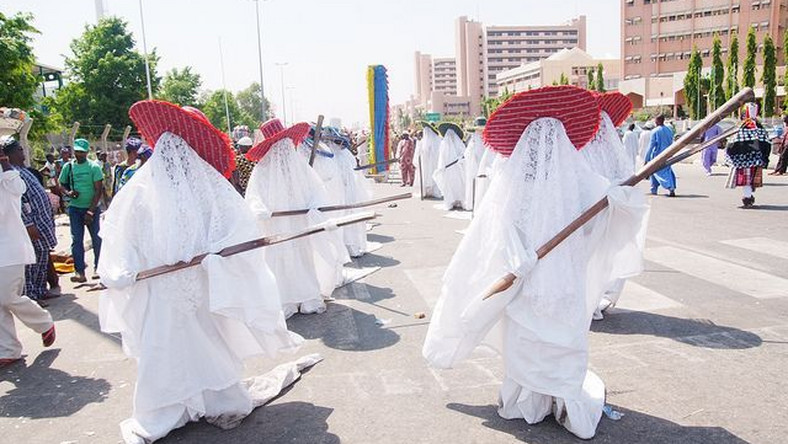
(697,350)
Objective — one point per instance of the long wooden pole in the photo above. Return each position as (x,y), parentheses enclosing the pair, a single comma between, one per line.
(656,164)
(374,165)
(316,139)
(700,147)
(354,206)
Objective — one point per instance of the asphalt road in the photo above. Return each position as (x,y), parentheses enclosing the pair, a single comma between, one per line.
(697,350)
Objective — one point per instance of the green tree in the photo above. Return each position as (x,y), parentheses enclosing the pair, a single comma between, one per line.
(106,77)
(769,76)
(213,107)
(249,101)
(563,80)
(181,87)
(717,93)
(591,81)
(600,78)
(17,81)
(692,84)
(732,79)
(748,78)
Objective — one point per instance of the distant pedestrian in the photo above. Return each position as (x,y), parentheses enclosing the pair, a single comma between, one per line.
(39,222)
(405,150)
(644,140)
(83,178)
(17,251)
(661,138)
(243,166)
(631,146)
(782,151)
(710,153)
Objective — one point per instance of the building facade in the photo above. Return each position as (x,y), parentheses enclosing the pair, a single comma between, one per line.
(573,63)
(658,36)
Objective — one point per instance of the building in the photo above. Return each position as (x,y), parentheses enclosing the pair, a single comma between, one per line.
(444,76)
(573,63)
(657,38)
(436,87)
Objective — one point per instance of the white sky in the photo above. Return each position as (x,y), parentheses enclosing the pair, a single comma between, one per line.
(326,44)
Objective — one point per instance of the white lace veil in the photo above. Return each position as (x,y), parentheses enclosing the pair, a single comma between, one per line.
(606,153)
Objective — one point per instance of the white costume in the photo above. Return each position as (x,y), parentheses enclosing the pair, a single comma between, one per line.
(188,330)
(426,159)
(473,157)
(490,163)
(356,189)
(643,142)
(607,156)
(450,174)
(541,323)
(631,147)
(309,269)
(362,153)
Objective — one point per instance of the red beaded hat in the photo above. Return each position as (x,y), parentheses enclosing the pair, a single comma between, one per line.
(155,117)
(273,131)
(575,107)
(616,105)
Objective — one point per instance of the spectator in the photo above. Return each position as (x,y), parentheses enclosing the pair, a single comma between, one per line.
(405,150)
(132,145)
(17,251)
(143,154)
(243,166)
(82,179)
(39,222)
(106,170)
(782,151)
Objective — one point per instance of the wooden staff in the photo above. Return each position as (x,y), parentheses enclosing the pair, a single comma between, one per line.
(252,245)
(700,147)
(354,206)
(374,165)
(656,164)
(316,139)
(453,163)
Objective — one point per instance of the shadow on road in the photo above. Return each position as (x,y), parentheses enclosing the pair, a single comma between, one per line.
(690,196)
(380,238)
(770,207)
(67,307)
(633,428)
(44,392)
(344,328)
(697,332)
(299,422)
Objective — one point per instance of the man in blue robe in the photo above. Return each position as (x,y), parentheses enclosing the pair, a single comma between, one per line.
(661,138)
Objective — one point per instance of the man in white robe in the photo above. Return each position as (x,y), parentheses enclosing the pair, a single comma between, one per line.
(473,158)
(450,173)
(426,158)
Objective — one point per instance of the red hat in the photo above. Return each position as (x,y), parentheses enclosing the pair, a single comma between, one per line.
(616,105)
(155,117)
(575,107)
(273,131)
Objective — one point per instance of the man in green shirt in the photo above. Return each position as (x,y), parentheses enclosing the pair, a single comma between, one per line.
(82,179)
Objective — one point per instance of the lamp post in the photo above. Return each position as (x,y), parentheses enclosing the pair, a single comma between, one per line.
(260,60)
(282,79)
(145,53)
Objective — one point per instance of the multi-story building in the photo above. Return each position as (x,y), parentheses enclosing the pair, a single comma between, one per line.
(658,36)
(573,63)
(444,75)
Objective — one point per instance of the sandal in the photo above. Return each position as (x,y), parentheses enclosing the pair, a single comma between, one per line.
(48,337)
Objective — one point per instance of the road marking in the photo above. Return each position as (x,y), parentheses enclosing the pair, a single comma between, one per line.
(735,277)
(636,297)
(761,245)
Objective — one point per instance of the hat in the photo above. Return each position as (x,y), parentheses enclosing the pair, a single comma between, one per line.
(273,131)
(145,150)
(81,145)
(133,144)
(155,117)
(245,141)
(431,126)
(616,105)
(575,107)
(446,126)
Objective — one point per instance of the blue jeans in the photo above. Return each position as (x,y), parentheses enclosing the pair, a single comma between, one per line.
(76,217)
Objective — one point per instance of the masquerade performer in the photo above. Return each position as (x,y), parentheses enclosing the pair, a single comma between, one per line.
(427,152)
(450,174)
(748,155)
(473,157)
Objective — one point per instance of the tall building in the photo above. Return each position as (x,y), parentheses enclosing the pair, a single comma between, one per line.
(573,63)
(657,38)
(423,71)
(444,75)
(484,51)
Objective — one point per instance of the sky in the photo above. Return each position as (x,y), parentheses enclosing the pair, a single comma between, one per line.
(326,44)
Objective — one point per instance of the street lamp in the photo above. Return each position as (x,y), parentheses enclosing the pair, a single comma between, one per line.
(260,60)
(282,78)
(145,53)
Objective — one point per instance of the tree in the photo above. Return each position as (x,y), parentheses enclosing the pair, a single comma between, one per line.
(249,101)
(748,79)
(181,87)
(692,84)
(106,76)
(563,80)
(717,93)
(213,108)
(600,78)
(591,81)
(732,80)
(769,76)
(17,81)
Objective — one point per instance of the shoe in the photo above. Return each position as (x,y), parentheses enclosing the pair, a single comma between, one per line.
(314,306)
(8,361)
(48,337)
(748,202)
(95,276)
(78,278)
(672,194)
(653,192)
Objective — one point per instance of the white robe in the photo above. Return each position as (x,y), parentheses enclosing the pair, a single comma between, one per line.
(631,146)
(541,323)
(356,189)
(643,144)
(308,269)
(189,330)
(490,163)
(450,173)
(426,160)
(473,157)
